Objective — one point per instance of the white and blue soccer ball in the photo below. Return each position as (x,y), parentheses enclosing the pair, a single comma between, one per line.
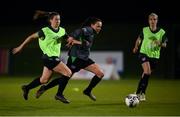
(131,100)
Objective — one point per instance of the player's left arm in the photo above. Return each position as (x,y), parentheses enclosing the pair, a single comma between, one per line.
(164,41)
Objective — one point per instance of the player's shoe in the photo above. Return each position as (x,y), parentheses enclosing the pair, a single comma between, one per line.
(90,95)
(141,97)
(62,99)
(40,91)
(25,92)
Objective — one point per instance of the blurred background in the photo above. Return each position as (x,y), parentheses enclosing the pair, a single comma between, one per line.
(122,23)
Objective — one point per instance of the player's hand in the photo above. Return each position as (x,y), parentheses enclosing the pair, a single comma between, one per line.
(157,42)
(135,49)
(16,50)
(70,42)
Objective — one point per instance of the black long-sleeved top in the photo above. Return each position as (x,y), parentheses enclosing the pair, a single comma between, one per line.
(86,36)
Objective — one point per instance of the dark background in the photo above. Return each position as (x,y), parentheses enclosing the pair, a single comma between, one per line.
(20,12)
(122,22)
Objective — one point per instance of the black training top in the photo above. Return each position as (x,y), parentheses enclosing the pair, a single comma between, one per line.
(86,36)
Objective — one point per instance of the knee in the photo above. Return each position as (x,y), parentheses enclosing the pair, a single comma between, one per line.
(100,74)
(148,72)
(43,80)
(68,73)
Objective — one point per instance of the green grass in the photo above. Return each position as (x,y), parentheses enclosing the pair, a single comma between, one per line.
(162,99)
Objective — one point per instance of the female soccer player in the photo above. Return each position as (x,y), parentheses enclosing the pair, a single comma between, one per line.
(79,57)
(50,38)
(149,44)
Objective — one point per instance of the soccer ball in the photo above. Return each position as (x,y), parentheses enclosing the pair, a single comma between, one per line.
(132,100)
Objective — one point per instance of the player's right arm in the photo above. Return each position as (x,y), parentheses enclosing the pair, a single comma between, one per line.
(74,38)
(71,41)
(25,42)
(137,43)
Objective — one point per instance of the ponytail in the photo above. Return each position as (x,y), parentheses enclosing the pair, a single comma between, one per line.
(39,14)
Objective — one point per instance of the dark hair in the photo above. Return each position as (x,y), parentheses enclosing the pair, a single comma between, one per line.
(52,14)
(91,20)
(39,14)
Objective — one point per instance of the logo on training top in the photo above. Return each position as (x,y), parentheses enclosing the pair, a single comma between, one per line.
(56,38)
(144,59)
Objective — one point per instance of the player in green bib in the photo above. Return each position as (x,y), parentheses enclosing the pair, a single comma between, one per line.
(79,57)
(50,38)
(149,44)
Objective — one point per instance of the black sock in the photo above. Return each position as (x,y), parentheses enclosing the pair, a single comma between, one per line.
(145,83)
(62,84)
(36,82)
(53,83)
(139,88)
(95,80)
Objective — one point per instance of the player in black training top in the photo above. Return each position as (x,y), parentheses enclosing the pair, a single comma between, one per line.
(82,41)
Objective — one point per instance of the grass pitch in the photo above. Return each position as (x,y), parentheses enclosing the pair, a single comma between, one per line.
(162,99)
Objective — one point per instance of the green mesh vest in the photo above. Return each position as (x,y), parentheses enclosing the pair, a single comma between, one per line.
(51,44)
(148,46)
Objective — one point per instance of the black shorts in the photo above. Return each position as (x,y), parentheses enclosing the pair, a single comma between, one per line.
(144,58)
(50,62)
(78,64)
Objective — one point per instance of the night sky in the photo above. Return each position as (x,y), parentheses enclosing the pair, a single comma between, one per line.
(21,12)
